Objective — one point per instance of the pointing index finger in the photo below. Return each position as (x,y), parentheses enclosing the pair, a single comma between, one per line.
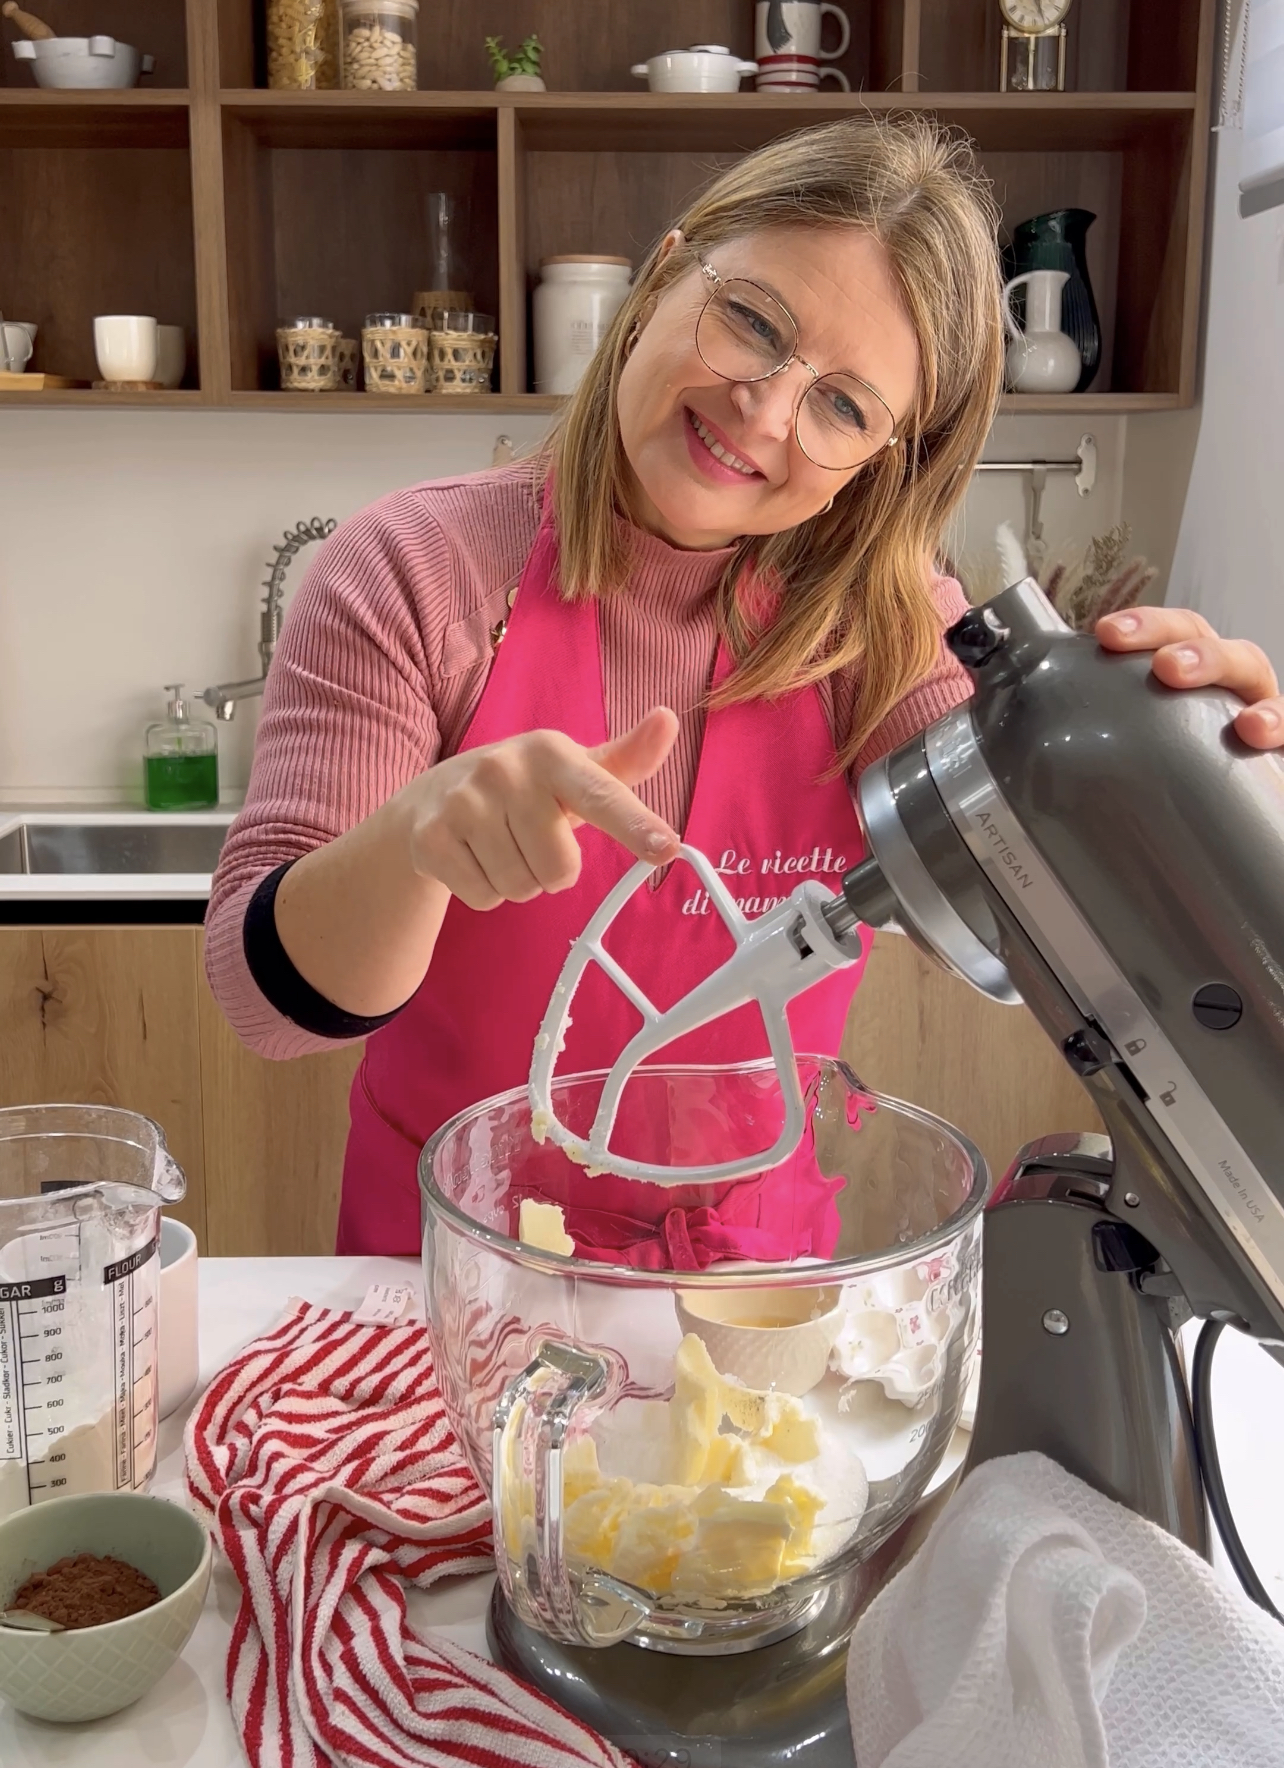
(589,794)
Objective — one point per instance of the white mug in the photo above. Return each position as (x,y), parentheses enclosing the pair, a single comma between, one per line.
(126,346)
(171,355)
(19,342)
(795,26)
(177,1345)
(797,73)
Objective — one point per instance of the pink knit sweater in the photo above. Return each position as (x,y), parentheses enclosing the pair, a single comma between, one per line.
(382,662)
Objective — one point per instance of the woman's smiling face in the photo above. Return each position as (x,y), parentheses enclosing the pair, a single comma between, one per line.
(711,459)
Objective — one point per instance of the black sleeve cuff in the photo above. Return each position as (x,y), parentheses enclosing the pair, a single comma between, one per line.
(280,982)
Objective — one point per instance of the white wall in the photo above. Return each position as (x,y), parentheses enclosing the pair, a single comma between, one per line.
(132,553)
(133,546)
(1229,560)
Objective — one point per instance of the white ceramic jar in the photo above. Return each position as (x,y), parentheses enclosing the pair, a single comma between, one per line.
(577,298)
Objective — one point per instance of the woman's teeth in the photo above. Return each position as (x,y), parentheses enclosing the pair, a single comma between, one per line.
(715,447)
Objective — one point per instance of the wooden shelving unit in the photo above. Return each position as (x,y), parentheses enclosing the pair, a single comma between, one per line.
(218,205)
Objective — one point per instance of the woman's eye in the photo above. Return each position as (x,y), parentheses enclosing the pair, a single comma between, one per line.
(841,409)
(755,324)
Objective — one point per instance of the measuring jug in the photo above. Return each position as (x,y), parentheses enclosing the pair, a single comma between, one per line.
(80,1193)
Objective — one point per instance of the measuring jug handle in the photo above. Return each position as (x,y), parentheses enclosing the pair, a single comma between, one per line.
(531,1428)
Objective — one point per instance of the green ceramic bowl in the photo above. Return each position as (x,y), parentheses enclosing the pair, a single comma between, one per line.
(88,1672)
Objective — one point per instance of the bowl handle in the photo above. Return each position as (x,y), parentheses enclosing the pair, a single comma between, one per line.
(531,1426)
(147,64)
(102,46)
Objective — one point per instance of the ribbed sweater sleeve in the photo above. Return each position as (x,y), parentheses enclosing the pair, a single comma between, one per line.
(363,675)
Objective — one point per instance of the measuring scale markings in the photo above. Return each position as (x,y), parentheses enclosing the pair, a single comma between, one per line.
(132,1332)
(32,1318)
(35,1415)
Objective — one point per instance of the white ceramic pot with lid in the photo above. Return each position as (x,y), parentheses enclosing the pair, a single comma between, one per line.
(578,296)
(708,67)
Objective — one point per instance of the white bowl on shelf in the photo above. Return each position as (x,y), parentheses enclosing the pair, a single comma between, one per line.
(72,64)
(707,68)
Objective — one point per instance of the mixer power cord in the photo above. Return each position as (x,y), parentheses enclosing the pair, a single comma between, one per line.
(1201,1395)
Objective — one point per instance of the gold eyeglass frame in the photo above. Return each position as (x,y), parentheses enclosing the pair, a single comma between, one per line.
(714,282)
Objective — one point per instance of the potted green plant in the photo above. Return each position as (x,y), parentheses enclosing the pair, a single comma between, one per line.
(518,72)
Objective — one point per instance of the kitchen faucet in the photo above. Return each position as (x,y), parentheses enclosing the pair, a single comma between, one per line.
(223,698)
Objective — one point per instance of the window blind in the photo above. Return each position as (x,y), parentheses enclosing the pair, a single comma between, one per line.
(1261,181)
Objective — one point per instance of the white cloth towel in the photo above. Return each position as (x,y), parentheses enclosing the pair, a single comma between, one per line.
(1043,1626)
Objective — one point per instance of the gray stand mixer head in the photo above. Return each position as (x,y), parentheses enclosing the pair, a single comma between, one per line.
(1108,850)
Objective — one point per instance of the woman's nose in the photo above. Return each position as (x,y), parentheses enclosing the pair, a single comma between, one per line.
(769,406)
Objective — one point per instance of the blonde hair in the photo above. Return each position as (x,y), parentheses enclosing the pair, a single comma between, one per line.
(857,577)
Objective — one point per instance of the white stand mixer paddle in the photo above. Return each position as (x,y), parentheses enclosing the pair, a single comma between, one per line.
(778,955)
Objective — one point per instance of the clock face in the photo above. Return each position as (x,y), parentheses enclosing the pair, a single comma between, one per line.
(1032,16)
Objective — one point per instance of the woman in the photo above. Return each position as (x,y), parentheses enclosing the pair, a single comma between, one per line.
(716,603)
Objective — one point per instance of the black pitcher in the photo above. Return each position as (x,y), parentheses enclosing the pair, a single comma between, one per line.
(1058,241)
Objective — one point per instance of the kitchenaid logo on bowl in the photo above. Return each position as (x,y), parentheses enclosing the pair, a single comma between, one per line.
(740,866)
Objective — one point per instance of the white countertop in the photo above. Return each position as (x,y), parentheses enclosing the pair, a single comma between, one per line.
(185,1723)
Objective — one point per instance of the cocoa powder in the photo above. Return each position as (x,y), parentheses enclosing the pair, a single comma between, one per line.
(86,1590)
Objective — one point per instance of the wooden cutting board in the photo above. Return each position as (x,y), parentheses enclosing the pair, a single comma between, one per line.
(36,383)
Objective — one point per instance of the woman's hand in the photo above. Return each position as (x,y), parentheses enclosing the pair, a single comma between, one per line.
(498,824)
(359,917)
(1189,654)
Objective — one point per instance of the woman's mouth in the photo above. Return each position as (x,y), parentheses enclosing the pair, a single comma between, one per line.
(713,454)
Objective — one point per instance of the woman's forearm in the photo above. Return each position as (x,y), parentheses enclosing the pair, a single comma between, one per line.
(357,921)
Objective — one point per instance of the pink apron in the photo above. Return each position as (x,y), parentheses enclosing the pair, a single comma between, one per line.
(762,811)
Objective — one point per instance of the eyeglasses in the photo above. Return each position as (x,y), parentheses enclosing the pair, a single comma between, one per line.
(745,334)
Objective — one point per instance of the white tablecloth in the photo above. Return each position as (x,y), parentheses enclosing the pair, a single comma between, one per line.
(184,1722)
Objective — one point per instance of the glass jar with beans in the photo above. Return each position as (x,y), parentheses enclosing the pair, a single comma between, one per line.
(377,48)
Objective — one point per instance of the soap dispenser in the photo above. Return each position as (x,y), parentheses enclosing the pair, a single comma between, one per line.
(180,759)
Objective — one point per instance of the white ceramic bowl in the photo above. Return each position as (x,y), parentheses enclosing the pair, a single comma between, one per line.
(768,1338)
(707,68)
(178,1343)
(88,1672)
(83,63)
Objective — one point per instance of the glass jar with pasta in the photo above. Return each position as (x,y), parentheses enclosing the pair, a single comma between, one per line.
(303,45)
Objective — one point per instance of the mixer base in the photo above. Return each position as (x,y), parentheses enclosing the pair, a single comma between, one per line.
(782,1704)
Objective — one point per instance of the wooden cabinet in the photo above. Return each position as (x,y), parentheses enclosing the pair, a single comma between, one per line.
(123,1016)
(274,1140)
(915,1032)
(219,205)
(107,1016)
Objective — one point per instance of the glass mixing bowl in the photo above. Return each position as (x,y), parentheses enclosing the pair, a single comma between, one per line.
(690,1458)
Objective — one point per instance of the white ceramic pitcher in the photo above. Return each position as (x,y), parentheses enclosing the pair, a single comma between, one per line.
(1041,359)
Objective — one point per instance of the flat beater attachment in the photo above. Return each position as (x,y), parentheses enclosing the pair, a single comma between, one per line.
(778,955)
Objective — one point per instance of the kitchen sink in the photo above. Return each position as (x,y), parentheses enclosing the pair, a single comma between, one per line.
(70,848)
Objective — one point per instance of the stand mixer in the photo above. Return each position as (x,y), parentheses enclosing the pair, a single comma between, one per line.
(1080,838)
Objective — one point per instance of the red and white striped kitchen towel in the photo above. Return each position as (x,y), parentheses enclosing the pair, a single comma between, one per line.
(324,1460)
